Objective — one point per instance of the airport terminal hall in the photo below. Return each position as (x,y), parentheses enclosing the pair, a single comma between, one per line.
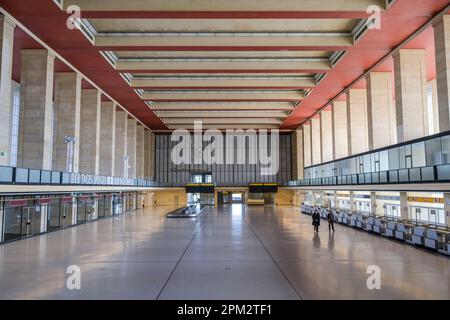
(224,150)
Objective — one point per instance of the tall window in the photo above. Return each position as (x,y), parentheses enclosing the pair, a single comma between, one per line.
(431,124)
(15,102)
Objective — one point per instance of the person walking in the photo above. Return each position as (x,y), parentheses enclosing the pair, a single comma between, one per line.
(330,218)
(316,220)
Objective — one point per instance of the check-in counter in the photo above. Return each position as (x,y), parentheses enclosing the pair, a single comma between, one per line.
(403,231)
(346,218)
(324,213)
(418,236)
(340,216)
(444,242)
(379,226)
(427,236)
(361,221)
(431,239)
(370,222)
(352,218)
(389,230)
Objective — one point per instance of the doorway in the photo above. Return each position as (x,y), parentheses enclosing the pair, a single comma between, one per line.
(22,221)
(237,198)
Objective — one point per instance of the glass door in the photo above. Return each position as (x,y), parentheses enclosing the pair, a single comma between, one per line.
(81,210)
(54,215)
(66,212)
(21,219)
(13,223)
(30,221)
(101,207)
(117,204)
(90,209)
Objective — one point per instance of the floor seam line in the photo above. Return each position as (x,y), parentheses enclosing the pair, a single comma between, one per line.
(203,218)
(274,261)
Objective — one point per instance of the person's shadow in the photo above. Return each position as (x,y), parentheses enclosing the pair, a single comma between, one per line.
(331,240)
(316,240)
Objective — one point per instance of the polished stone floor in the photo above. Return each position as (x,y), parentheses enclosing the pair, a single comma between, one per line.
(231,253)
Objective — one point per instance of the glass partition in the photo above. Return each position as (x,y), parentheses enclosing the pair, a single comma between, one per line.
(421,160)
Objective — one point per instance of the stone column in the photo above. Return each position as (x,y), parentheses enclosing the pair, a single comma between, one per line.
(90,131)
(140,142)
(432,85)
(357,121)
(411,94)
(327,135)
(121,143)
(442,44)
(404,211)
(340,129)
(373,202)
(131,147)
(36,104)
(6,61)
(381,110)
(307,148)
(149,155)
(107,138)
(316,141)
(297,155)
(351,199)
(66,123)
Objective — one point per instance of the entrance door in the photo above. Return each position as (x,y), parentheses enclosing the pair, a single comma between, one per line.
(118,204)
(237,198)
(30,223)
(81,211)
(13,223)
(54,216)
(66,214)
(22,222)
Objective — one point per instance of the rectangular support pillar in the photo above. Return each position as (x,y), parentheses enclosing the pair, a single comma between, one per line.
(373,203)
(316,141)
(442,45)
(107,138)
(404,210)
(297,155)
(411,94)
(131,147)
(121,144)
(326,135)
(140,142)
(432,86)
(357,121)
(149,155)
(6,62)
(66,124)
(90,131)
(381,110)
(307,148)
(36,104)
(351,200)
(340,130)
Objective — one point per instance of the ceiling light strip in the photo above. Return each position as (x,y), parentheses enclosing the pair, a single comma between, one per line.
(224,34)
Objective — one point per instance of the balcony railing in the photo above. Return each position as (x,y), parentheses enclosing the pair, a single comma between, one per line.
(430,174)
(21,176)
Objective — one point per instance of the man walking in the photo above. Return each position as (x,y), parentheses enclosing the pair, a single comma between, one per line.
(330,218)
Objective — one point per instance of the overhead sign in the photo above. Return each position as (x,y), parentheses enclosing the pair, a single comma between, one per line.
(263,187)
(200,188)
